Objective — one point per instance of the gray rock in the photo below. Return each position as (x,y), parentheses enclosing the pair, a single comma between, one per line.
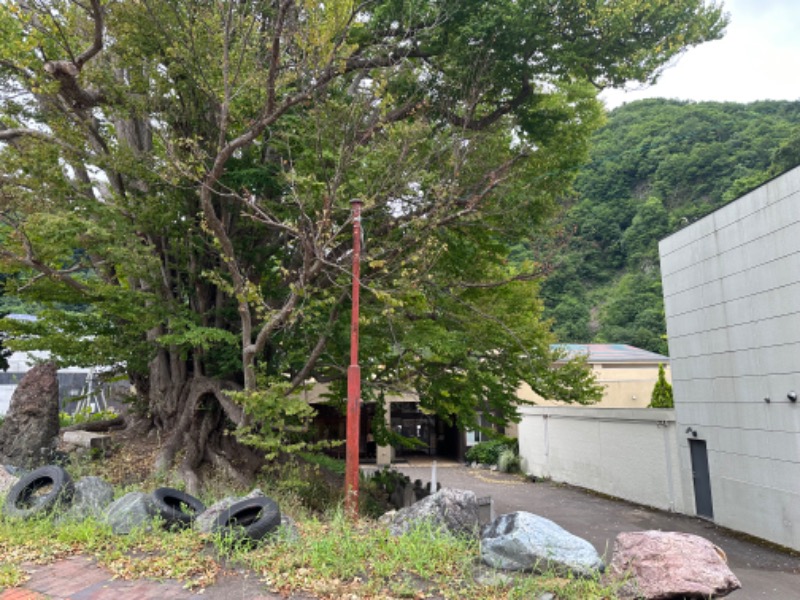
(7,481)
(524,541)
(288,530)
(204,522)
(485,576)
(132,511)
(29,433)
(91,497)
(659,565)
(453,510)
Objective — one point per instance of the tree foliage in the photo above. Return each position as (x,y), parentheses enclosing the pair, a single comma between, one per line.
(182,171)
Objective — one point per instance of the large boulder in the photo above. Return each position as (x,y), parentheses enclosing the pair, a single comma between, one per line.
(29,433)
(659,565)
(522,541)
(91,497)
(453,510)
(133,511)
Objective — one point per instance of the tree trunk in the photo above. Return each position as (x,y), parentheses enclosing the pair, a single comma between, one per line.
(196,416)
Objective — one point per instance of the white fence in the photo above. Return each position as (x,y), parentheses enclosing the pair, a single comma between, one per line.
(625,453)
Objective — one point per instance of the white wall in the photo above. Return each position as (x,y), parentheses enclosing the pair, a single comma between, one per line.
(626,453)
(732,301)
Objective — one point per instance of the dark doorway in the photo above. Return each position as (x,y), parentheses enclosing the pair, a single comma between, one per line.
(409,422)
(702,479)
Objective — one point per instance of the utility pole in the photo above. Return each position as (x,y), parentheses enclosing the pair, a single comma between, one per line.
(353,379)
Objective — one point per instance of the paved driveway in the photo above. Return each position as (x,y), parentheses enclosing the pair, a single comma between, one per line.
(763,571)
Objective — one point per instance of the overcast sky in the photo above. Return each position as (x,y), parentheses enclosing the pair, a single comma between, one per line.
(757,59)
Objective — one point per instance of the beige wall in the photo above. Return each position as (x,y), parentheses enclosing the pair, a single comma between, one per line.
(625,386)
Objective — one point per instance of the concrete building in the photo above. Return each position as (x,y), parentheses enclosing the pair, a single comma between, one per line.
(732,299)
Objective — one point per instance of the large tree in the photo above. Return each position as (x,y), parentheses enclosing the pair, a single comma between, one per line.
(182,170)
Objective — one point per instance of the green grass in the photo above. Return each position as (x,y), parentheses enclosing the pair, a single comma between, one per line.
(337,558)
(155,555)
(330,557)
(11,575)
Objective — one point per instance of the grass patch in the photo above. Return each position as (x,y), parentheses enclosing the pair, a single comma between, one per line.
(329,557)
(155,554)
(11,575)
(335,558)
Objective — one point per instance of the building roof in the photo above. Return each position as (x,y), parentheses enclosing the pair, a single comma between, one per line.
(613,353)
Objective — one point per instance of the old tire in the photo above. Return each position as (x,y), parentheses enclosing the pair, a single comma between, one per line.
(249,519)
(23,501)
(176,508)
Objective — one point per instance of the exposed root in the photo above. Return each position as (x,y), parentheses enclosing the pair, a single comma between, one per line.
(198,432)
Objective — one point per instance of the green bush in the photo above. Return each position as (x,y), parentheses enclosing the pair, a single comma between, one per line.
(303,485)
(508,461)
(487,453)
(85,415)
(662,392)
(334,465)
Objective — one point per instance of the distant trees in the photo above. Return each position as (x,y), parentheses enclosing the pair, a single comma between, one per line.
(656,166)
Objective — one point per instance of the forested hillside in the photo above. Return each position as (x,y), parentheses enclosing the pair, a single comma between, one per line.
(656,166)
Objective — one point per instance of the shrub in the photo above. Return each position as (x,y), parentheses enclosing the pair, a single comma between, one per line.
(85,415)
(508,461)
(662,392)
(487,453)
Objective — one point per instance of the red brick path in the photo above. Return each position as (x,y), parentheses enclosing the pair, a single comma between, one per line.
(78,578)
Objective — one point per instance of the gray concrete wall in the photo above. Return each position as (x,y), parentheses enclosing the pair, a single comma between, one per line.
(625,453)
(732,302)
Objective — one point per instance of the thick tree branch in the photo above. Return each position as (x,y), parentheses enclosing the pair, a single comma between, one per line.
(97,42)
(66,72)
(9,135)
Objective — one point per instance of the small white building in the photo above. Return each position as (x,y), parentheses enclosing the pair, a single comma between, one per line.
(732,300)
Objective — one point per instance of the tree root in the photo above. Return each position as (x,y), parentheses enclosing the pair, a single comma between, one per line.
(198,432)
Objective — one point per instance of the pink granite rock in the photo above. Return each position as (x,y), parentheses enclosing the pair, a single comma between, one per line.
(659,565)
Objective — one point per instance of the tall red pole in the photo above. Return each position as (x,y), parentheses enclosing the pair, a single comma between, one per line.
(353,379)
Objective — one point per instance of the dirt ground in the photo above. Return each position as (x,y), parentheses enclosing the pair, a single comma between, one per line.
(764,571)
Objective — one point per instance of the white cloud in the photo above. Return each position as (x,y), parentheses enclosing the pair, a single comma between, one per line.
(758,59)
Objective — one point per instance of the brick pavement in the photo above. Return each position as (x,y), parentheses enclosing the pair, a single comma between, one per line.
(78,578)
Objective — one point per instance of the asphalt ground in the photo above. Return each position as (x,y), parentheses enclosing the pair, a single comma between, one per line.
(764,570)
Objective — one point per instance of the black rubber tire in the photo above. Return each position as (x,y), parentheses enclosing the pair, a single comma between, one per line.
(22,501)
(176,508)
(249,519)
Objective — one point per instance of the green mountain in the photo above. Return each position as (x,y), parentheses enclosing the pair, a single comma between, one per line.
(656,166)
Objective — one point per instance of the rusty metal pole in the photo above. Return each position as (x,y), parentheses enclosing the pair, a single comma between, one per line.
(353,379)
